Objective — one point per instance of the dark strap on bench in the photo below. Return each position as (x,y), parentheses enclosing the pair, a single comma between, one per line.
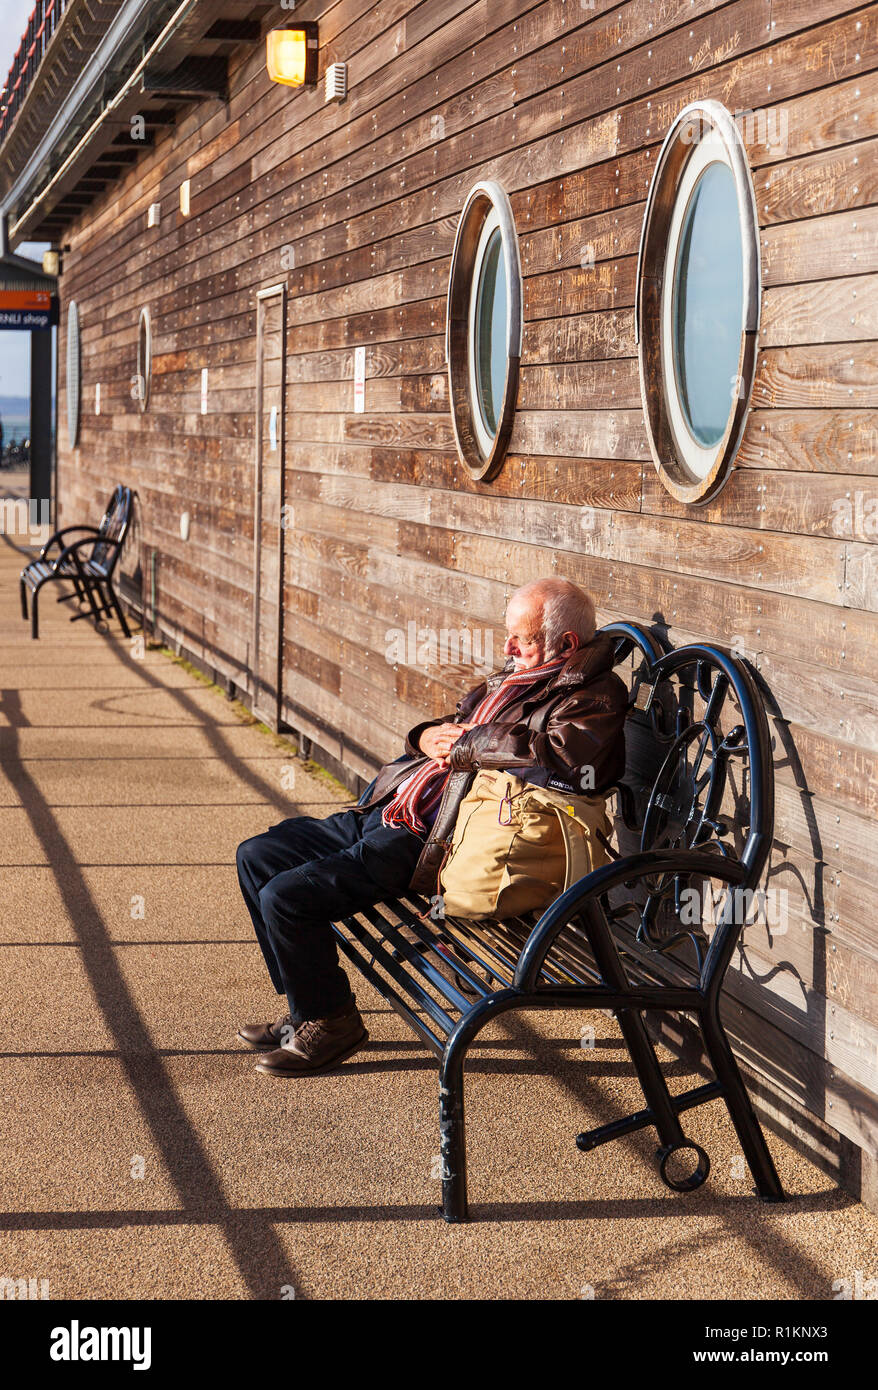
(426,876)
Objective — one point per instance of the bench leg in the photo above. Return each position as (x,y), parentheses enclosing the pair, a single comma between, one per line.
(452,1136)
(452,1133)
(77,592)
(452,1147)
(640,1049)
(23,588)
(114,599)
(740,1107)
(649,1074)
(34,616)
(105,595)
(96,612)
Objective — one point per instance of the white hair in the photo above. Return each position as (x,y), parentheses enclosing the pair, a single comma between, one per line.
(564,607)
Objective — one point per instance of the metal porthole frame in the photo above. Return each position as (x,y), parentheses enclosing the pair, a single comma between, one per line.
(73,383)
(481,201)
(657,254)
(144,350)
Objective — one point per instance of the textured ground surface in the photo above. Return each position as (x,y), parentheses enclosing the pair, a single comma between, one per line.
(142,1155)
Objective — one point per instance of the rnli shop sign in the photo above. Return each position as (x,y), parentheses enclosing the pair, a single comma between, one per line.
(27,309)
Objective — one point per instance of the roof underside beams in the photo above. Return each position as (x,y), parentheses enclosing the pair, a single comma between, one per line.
(89,137)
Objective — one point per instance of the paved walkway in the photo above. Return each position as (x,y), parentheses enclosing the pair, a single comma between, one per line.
(143,1157)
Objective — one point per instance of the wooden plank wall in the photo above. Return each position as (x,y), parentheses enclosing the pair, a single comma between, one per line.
(355,206)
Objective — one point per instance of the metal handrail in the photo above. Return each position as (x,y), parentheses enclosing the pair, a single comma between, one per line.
(41,26)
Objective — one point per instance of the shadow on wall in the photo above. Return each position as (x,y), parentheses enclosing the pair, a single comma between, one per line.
(776,989)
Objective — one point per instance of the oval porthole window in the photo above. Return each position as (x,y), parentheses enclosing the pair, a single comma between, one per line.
(74,374)
(697,302)
(144,360)
(484,329)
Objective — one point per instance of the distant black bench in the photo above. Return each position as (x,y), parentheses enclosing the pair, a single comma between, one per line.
(88,564)
(696,810)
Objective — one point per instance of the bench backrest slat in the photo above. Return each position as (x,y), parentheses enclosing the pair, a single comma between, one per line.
(113,527)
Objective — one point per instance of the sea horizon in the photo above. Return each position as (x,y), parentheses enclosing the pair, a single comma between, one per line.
(15,428)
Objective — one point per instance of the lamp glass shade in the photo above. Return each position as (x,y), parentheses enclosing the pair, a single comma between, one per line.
(287,56)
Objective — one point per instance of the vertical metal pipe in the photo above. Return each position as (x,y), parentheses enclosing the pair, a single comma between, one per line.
(41,415)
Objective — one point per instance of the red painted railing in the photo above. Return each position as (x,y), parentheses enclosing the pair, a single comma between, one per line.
(40,27)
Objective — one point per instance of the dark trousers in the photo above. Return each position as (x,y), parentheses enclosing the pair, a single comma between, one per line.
(303,875)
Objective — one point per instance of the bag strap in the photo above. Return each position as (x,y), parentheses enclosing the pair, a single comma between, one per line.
(574,848)
(457,785)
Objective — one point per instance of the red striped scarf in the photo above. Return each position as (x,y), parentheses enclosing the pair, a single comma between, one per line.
(421,793)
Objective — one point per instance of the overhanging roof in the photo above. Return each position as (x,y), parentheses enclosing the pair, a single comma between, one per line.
(107,61)
(19,272)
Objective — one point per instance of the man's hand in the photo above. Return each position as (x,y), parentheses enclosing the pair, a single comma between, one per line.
(436,742)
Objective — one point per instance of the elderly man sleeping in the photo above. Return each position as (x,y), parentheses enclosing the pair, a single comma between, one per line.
(555,708)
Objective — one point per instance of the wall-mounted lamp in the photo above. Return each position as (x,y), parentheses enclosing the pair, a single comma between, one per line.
(292,55)
(52,263)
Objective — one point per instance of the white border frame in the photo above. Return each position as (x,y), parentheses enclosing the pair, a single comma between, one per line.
(698,122)
(483,200)
(697,458)
(144,373)
(485,436)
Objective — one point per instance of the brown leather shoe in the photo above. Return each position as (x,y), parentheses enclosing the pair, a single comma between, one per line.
(317,1045)
(267,1036)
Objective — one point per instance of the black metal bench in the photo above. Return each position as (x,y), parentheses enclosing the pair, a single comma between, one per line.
(88,564)
(695,812)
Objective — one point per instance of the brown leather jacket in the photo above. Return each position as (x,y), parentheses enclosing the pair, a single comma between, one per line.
(551,736)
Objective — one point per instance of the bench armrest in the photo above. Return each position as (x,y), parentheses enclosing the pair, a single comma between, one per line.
(71,552)
(581,901)
(65,530)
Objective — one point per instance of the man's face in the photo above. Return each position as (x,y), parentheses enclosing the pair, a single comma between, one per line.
(524,638)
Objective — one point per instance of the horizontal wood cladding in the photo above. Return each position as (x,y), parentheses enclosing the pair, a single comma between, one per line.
(353,207)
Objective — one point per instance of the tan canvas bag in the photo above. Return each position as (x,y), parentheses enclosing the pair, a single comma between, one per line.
(516,846)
